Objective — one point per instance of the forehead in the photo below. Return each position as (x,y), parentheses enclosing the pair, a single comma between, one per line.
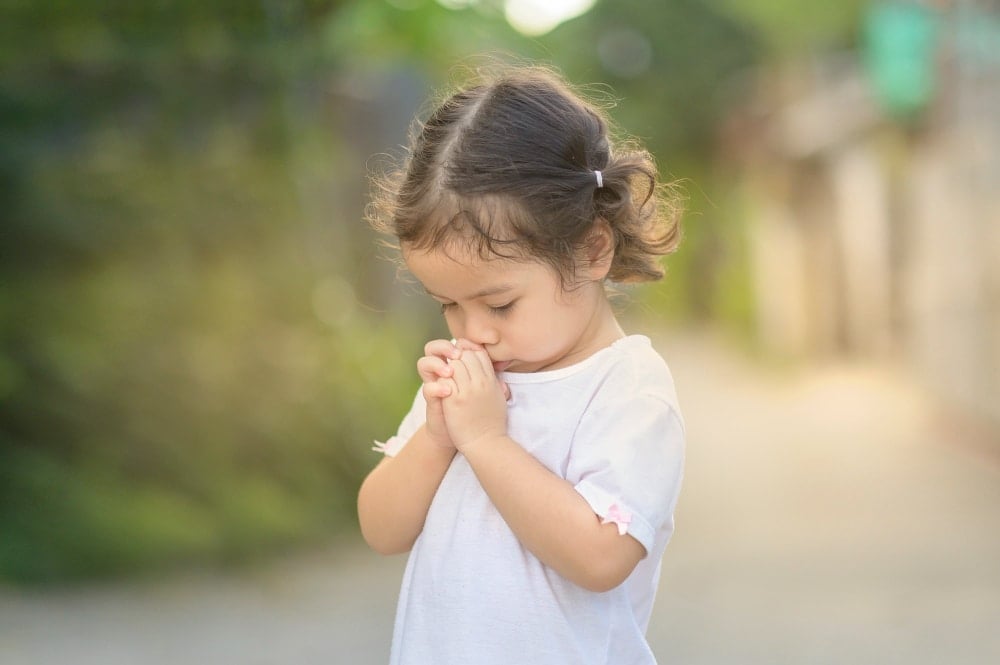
(461,273)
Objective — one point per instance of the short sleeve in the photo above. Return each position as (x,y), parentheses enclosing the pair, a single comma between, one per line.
(627,461)
(407,428)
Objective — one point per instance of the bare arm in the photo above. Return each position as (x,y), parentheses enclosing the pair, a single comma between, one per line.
(551,518)
(544,511)
(396,495)
(394,498)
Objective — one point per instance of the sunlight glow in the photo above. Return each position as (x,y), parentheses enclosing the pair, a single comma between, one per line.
(536,17)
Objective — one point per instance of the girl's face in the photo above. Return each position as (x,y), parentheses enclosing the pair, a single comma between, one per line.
(518,311)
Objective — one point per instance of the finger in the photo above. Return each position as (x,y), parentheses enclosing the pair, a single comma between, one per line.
(480,368)
(446,387)
(485,362)
(479,365)
(505,388)
(467,345)
(436,390)
(441,348)
(461,374)
(431,367)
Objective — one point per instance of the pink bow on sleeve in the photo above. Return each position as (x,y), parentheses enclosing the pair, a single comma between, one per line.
(621,518)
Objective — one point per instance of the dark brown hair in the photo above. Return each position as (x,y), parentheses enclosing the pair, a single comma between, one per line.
(506,166)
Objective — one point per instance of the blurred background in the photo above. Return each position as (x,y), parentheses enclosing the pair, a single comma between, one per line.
(201,336)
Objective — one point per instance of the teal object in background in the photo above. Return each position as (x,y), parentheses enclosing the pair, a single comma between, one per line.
(900,43)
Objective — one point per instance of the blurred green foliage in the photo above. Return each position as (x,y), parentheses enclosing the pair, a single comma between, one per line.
(199,340)
(789,30)
(186,373)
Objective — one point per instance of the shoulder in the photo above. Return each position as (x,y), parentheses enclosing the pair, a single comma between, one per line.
(632,371)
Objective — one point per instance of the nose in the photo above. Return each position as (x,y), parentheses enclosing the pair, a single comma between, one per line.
(479,329)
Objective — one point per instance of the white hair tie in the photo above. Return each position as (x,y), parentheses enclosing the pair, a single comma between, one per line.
(600,179)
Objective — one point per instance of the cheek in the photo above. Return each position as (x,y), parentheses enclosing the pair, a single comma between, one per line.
(536,327)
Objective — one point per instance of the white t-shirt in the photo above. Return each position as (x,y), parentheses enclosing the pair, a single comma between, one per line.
(472,594)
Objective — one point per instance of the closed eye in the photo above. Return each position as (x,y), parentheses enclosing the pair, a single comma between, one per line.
(502,310)
(445,306)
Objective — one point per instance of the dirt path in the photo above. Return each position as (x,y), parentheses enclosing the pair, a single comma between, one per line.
(829,515)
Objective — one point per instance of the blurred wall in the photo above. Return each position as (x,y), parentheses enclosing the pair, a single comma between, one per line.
(874,199)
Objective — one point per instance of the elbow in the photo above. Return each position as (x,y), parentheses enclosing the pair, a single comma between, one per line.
(387,549)
(600,574)
(383,543)
(601,578)
(608,564)
(380,535)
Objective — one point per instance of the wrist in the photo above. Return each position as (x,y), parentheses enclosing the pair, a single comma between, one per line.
(485,440)
(439,442)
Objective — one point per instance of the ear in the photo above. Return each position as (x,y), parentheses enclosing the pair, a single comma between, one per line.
(600,250)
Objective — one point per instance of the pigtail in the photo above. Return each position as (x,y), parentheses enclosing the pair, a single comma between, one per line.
(643,215)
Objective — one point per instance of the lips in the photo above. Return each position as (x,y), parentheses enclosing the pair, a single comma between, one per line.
(500,366)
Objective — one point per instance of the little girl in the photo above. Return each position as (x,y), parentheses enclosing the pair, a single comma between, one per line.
(534,479)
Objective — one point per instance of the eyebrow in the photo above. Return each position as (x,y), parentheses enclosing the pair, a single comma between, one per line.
(489,291)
